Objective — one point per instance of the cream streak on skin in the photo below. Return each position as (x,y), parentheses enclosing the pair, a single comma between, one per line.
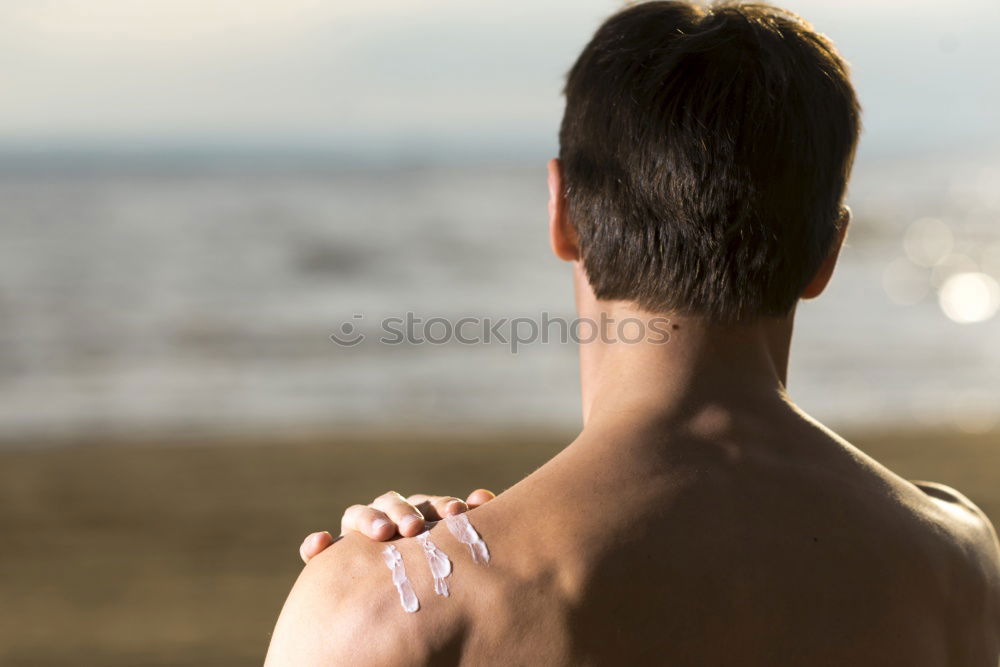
(462,529)
(394,561)
(437,561)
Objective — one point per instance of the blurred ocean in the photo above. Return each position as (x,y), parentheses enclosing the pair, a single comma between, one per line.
(160,297)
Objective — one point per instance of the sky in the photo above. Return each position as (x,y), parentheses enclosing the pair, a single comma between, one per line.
(429,76)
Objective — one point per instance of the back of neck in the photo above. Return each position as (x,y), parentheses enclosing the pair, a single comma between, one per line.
(648,366)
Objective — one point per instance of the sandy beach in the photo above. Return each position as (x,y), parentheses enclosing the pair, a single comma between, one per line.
(166,553)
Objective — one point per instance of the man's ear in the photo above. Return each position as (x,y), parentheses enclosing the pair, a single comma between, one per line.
(562,236)
(825,270)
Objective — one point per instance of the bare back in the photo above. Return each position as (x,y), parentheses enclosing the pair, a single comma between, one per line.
(713,552)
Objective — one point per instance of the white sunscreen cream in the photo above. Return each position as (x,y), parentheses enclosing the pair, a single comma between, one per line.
(438,561)
(462,529)
(394,561)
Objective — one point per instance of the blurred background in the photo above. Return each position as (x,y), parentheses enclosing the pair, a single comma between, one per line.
(196,195)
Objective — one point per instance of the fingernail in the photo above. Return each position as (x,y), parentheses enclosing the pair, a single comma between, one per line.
(378,526)
(409,523)
(308,545)
(454,507)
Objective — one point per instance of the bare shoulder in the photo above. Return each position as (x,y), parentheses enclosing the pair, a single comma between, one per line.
(973,534)
(343,609)
(964,514)
(976,580)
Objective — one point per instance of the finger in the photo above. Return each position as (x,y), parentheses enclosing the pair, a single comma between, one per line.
(420,499)
(448,506)
(422,503)
(479,496)
(435,508)
(408,519)
(314,544)
(367,521)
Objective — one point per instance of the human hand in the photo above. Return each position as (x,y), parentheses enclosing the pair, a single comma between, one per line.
(391,513)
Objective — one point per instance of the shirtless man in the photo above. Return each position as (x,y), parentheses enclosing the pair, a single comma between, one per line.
(700,517)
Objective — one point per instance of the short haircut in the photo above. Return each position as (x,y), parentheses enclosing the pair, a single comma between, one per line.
(705,156)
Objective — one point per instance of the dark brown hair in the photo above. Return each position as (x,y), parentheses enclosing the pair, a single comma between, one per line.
(705,155)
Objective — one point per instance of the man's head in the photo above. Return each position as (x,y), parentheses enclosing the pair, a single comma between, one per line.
(704,156)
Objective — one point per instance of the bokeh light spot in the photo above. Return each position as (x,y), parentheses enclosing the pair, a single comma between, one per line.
(969,297)
(950,265)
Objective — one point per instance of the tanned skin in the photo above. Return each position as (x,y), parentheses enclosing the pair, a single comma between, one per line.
(700,518)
